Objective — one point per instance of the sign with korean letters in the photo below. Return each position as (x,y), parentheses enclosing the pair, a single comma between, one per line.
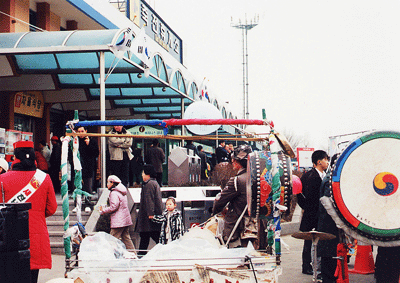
(143,15)
(29,103)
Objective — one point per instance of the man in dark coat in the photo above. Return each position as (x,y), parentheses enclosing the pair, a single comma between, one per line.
(235,194)
(156,157)
(309,201)
(204,162)
(327,249)
(55,164)
(89,151)
(150,205)
(221,153)
(136,167)
(190,145)
(387,265)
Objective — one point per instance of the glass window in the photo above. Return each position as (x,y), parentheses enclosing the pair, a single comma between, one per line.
(23,123)
(32,20)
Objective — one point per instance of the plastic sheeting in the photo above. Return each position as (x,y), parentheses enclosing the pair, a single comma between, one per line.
(195,255)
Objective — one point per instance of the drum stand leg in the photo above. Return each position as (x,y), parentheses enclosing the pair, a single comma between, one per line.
(314,263)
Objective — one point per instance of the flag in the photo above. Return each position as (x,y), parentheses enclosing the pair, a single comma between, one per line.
(124,45)
(140,48)
(202,92)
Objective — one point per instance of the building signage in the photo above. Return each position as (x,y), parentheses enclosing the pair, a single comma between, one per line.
(143,15)
(145,131)
(304,157)
(29,103)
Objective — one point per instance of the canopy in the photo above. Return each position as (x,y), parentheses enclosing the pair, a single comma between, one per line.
(65,65)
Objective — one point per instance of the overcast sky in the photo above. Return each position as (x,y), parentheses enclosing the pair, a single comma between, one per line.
(319,68)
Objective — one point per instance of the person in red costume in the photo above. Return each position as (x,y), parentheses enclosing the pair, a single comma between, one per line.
(24,183)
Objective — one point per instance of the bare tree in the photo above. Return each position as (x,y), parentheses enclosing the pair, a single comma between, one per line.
(293,139)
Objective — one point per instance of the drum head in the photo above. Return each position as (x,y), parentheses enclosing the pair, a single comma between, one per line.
(365,186)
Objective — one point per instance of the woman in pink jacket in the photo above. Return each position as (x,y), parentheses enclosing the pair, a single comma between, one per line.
(118,208)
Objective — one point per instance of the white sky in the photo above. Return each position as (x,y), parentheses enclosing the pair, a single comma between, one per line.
(319,68)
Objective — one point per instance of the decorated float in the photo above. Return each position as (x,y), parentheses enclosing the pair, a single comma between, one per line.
(198,256)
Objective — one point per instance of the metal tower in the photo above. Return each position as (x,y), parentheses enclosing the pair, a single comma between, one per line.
(245,27)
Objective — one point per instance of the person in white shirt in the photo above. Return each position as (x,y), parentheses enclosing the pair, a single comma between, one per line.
(45,151)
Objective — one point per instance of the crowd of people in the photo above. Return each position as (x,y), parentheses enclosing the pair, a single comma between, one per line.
(164,224)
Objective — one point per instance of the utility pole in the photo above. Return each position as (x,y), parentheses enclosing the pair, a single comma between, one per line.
(245,27)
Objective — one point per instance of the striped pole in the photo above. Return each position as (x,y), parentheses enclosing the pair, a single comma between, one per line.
(78,192)
(276,191)
(64,192)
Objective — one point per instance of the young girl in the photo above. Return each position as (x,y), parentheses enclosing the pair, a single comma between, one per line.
(172,227)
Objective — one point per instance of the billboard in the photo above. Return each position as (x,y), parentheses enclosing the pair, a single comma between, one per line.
(156,28)
(304,157)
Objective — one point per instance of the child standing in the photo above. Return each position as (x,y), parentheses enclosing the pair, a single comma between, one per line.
(171,222)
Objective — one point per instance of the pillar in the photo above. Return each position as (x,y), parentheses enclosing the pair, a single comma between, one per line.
(7,24)
(43,15)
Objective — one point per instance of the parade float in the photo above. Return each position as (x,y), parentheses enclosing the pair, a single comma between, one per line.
(198,256)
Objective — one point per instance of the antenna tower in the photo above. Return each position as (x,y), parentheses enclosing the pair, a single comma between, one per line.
(245,27)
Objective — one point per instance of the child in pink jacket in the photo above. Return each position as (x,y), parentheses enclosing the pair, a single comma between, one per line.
(119,211)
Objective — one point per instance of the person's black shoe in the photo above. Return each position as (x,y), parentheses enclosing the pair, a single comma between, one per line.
(308,271)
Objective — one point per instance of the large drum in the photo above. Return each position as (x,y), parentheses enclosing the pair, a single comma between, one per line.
(365,186)
(259,179)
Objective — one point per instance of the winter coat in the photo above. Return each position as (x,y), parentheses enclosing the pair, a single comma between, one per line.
(55,158)
(137,163)
(156,157)
(41,161)
(192,147)
(150,204)
(327,248)
(175,224)
(236,196)
(120,215)
(222,155)
(117,146)
(309,200)
(89,153)
(44,204)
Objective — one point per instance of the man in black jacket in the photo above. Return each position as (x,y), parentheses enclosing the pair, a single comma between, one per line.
(205,164)
(221,153)
(55,164)
(309,201)
(156,157)
(235,194)
(89,151)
